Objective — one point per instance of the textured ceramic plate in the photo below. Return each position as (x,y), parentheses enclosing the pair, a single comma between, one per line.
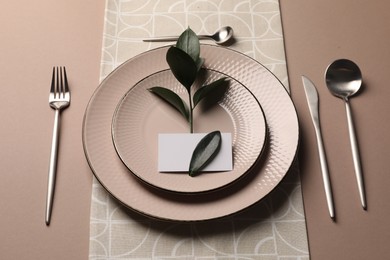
(141,116)
(281,147)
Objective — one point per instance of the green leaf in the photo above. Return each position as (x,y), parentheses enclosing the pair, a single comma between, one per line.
(205,151)
(206,90)
(189,43)
(182,66)
(173,99)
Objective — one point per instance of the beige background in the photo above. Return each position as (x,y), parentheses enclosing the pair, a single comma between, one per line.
(39,34)
(316,33)
(36,35)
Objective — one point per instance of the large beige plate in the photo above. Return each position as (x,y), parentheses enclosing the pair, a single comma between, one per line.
(280,150)
(141,116)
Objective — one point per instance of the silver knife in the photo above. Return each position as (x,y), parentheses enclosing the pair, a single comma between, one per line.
(312,101)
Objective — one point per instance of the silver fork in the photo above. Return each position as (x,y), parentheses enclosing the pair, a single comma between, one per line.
(59,98)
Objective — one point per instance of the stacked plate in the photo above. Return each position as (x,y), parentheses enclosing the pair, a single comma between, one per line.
(123,119)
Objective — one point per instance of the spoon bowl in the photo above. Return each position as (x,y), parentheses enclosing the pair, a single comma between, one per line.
(221,36)
(344,79)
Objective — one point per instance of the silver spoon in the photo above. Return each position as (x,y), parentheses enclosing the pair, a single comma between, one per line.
(220,37)
(344,79)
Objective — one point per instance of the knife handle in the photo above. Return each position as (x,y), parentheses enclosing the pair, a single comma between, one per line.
(324,171)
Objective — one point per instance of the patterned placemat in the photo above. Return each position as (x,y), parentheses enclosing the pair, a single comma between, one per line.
(272,229)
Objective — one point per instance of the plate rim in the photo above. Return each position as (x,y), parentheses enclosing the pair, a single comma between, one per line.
(142,212)
(263,138)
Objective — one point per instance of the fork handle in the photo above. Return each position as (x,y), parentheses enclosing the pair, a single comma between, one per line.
(52,168)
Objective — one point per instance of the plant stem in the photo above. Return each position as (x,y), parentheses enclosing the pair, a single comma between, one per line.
(191,112)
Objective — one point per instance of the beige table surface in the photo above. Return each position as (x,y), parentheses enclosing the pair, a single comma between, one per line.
(36,35)
(316,33)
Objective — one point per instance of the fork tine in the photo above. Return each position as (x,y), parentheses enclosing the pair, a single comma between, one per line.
(57,87)
(61,85)
(66,81)
(52,87)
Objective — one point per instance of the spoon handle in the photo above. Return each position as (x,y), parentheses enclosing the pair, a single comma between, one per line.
(171,38)
(355,155)
(162,39)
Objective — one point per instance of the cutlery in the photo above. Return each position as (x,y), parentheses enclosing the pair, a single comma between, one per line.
(220,37)
(59,99)
(344,79)
(312,100)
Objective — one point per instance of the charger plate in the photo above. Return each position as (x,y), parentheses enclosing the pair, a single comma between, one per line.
(281,147)
(140,116)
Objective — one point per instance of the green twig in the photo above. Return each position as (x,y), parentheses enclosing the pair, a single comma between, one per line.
(191,112)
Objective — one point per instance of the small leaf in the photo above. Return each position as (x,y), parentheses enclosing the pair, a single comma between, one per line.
(182,66)
(206,90)
(189,43)
(205,151)
(173,99)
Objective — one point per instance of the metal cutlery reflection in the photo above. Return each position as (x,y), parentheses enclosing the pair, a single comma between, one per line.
(344,79)
(59,99)
(221,36)
(312,100)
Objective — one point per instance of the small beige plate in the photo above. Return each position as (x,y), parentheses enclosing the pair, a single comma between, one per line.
(140,116)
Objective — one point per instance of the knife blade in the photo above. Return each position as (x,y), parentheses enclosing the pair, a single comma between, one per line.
(312,101)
